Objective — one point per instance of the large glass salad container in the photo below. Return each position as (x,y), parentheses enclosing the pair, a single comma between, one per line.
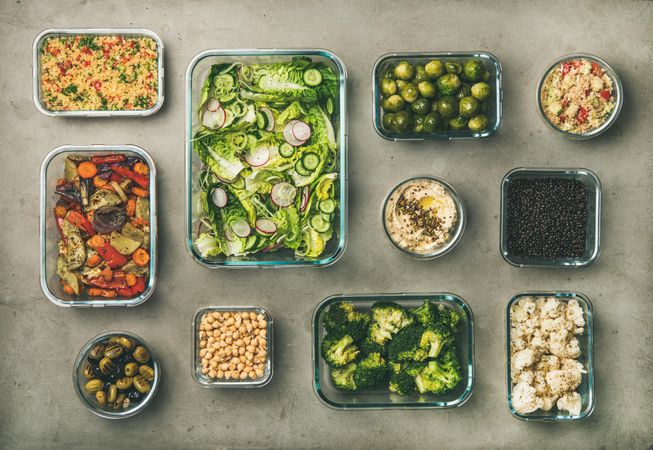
(273,131)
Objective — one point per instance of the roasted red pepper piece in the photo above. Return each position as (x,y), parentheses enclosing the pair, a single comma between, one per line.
(606,94)
(115,177)
(80,221)
(582,115)
(125,292)
(566,67)
(107,159)
(141,180)
(139,287)
(111,256)
(104,284)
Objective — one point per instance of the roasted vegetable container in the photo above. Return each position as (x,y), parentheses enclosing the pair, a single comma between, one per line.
(151,381)
(381,398)
(198,71)
(196,363)
(586,341)
(493,103)
(52,170)
(95,32)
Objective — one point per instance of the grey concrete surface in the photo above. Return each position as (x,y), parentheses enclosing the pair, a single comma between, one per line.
(38,407)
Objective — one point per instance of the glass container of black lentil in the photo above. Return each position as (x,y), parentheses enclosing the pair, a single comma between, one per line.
(550,217)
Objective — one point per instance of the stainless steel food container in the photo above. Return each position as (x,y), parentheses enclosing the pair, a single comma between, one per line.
(196,364)
(495,114)
(51,170)
(89,400)
(381,398)
(196,73)
(127,32)
(586,341)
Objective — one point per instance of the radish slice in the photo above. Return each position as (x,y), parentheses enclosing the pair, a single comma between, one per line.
(214,119)
(219,197)
(258,156)
(268,114)
(301,131)
(271,247)
(226,180)
(266,227)
(283,194)
(289,136)
(212,105)
(306,193)
(241,228)
(229,235)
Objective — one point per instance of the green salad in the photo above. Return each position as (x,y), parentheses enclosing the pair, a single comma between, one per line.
(270,158)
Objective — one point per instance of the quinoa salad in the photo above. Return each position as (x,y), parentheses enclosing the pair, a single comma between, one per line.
(577,96)
(91,73)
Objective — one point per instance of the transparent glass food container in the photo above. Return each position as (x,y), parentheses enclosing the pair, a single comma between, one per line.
(89,400)
(586,340)
(197,71)
(456,233)
(495,102)
(382,398)
(196,360)
(593,227)
(125,32)
(51,170)
(617,91)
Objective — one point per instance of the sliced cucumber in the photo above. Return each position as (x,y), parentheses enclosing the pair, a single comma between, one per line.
(312,77)
(310,161)
(327,206)
(286,150)
(250,242)
(300,169)
(239,183)
(261,120)
(329,106)
(318,223)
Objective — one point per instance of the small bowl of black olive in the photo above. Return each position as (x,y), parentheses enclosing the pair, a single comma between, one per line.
(116,374)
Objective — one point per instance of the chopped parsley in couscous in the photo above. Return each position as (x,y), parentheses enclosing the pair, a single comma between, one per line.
(577,96)
(90,73)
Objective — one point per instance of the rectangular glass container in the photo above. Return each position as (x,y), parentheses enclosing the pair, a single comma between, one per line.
(197,71)
(586,341)
(495,101)
(382,398)
(126,32)
(196,364)
(593,233)
(51,170)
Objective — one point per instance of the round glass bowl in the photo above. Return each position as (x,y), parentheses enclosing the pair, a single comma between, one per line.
(457,228)
(79,380)
(617,92)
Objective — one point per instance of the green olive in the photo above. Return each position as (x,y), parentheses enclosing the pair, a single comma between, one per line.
(402,121)
(433,122)
(101,398)
(468,106)
(448,84)
(421,106)
(112,394)
(96,352)
(124,383)
(388,87)
(420,74)
(453,67)
(464,91)
(113,340)
(473,69)
(106,366)
(126,343)
(88,370)
(142,384)
(387,121)
(418,126)
(113,350)
(409,92)
(147,372)
(434,69)
(447,106)
(458,123)
(141,354)
(427,89)
(131,369)
(401,83)
(119,401)
(393,103)
(479,122)
(404,71)
(481,91)
(93,386)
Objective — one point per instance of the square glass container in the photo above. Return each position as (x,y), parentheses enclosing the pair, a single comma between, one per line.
(593,232)
(197,71)
(382,398)
(51,170)
(125,32)
(586,341)
(495,101)
(196,363)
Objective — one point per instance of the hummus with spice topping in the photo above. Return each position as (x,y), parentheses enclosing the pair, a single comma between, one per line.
(419,216)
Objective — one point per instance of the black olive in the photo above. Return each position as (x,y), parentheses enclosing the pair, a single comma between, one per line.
(135,396)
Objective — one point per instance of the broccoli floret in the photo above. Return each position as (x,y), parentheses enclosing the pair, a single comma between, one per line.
(447,317)
(368,346)
(405,346)
(395,367)
(402,383)
(426,314)
(388,319)
(342,318)
(343,378)
(371,372)
(438,378)
(339,351)
(434,339)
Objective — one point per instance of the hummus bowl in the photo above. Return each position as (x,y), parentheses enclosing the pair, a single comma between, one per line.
(423,217)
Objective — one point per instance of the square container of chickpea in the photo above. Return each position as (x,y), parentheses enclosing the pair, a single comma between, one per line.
(232,346)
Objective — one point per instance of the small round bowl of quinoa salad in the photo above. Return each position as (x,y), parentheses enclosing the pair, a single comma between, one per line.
(579,96)
(424,217)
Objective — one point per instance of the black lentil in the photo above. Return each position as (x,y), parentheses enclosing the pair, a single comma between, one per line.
(546,217)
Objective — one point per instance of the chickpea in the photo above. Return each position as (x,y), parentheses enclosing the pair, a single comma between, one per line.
(243,375)
(220,374)
(205,370)
(227,374)
(252,374)
(210,319)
